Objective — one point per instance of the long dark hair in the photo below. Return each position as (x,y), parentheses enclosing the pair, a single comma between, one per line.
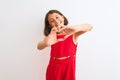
(47,27)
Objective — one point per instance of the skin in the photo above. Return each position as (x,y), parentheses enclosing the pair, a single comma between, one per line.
(56,22)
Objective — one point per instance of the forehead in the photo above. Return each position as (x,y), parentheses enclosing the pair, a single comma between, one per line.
(53,15)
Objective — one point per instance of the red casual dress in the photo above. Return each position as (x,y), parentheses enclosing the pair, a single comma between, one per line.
(62,69)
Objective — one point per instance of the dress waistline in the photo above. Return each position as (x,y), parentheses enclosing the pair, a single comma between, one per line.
(63,58)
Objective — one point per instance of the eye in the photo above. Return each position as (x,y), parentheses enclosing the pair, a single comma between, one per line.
(57,17)
(51,20)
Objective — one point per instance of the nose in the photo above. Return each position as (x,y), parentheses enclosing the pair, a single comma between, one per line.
(57,23)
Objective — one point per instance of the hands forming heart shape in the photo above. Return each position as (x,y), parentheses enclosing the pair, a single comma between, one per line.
(63,30)
(56,31)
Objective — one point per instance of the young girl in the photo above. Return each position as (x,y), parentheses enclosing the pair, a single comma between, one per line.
(63,41)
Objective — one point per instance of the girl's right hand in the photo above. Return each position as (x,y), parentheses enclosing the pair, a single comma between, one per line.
(52,37)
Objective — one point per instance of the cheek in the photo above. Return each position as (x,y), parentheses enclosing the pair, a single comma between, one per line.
(52,24)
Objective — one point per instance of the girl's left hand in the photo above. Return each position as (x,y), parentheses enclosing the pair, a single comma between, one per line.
(68,30)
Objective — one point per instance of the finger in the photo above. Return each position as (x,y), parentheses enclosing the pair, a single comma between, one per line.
(66,36)
(62,28)
(54,30)
(58,27)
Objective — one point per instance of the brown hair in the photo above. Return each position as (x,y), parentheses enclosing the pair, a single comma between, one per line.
(47,28)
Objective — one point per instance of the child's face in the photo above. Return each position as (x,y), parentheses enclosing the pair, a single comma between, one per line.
(55,20)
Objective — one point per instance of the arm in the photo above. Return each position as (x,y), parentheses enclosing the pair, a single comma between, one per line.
(80,29)
(49,40)
(41,45)
(76,30)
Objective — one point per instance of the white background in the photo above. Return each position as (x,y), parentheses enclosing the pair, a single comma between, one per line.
(21,28)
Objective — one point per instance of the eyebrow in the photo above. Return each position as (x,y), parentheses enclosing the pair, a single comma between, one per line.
(56,15)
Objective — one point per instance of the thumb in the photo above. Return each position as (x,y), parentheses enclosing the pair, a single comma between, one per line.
(66,36)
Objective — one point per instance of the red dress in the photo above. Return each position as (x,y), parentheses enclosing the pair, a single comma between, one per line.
(62,69)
